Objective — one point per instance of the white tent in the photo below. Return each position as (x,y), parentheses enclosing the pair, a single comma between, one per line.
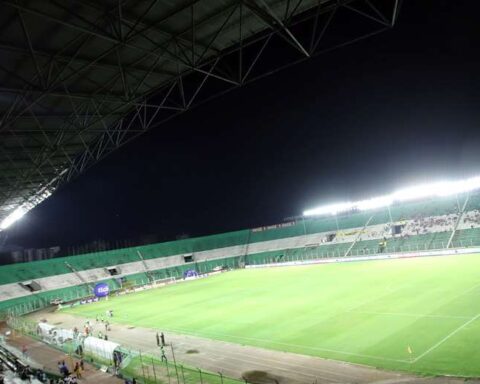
(45,329)
(52,334)
(100,348)
(63,335)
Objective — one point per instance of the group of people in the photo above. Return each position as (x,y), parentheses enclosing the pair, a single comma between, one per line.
(425,224)
(78,368)
(160,339)
(88,328)
(71,378)
(161,343)
(24,372)
(472,217)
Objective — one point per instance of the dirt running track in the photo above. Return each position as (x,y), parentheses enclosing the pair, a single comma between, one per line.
(236,360)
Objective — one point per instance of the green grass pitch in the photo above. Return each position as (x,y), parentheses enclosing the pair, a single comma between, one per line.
(363,312)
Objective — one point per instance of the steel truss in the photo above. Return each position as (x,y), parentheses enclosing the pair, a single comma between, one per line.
(109,74)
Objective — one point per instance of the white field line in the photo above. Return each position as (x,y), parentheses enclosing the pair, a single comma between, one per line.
(412,315)
(205,334)
(352,309)
(221,335)
(371,300)
(465,292)
(445,338)
(455,330)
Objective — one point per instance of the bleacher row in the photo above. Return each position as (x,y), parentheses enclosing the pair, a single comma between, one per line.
(426,224)
(25,271)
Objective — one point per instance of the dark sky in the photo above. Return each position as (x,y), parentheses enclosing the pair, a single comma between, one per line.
(395,109)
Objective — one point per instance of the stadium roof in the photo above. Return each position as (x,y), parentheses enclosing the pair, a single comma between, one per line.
(80,79)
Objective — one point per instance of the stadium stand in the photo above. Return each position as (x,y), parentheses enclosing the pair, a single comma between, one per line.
(10,291)
(16,369)
(418,225)
(467,238)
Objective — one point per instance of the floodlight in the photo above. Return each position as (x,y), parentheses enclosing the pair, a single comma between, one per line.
(417,192)
(17,214)
(440,188)
(20,211)
(331,209)
(452,188)
(376,202)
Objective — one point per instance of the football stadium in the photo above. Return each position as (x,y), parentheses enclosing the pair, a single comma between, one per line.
(378,290)
(389,283)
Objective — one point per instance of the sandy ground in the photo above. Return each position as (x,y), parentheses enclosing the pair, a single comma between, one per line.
(42,356)
(238,361)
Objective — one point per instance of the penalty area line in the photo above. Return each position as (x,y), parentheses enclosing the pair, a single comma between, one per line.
(455,331)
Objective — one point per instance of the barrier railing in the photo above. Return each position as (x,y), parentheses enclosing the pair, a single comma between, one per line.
(146,368)
(159,368)
(312,253)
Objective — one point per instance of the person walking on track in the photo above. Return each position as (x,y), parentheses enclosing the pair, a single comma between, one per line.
(162,351)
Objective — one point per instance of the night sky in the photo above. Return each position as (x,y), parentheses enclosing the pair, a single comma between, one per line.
(394,109)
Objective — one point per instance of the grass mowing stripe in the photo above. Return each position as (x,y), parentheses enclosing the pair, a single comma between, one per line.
(463,293)
(412,315)
(375,298)
(445,338)
(206,335)
(306,311)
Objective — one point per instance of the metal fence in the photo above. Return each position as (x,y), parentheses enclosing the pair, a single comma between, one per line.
(312,253)
(152,368)
(35,302)
(126,363)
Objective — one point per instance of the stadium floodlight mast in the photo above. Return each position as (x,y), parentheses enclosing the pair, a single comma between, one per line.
(440,189)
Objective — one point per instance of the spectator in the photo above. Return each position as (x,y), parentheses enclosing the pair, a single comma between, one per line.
(77,370)
(64,369)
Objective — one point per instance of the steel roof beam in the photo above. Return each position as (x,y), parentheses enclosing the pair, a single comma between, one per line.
(266,14)
(79,60)
(128,19)
(76,73)
(91,115)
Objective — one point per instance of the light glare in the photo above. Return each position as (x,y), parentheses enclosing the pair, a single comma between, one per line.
(442,188)
(331,209)
(20,211)
(376,202)
(14,216)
